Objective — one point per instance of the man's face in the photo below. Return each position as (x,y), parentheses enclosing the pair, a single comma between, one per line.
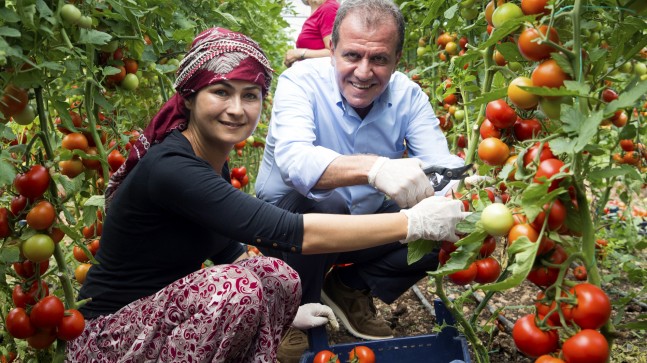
(364,59)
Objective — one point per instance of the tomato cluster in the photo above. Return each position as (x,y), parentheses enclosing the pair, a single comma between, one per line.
(359,354)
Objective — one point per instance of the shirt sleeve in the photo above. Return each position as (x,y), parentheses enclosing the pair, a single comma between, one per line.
(328,19)
(206,198)
(293,128)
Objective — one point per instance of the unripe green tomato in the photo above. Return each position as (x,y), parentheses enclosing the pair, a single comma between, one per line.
(467,3)
(459,115)
(497,219)
(640,69)
(515,66)
(38,248)
(421,51)
(173,62)
(130,82)
(250,140)
(110,47)
(85,22)
(26,116)
(626,68)
(70,14)
(505,12)
(469,13)
(594,37)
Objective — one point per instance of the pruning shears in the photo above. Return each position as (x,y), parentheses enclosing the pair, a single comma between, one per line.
(440,176)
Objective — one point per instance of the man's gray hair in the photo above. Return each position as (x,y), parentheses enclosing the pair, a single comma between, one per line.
(372,12)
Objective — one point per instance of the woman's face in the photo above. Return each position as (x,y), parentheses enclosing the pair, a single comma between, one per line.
(226,112)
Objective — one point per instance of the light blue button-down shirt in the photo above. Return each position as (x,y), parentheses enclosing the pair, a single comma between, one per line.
(312,124)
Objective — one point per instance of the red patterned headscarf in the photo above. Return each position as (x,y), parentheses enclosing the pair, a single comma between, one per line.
(216,55)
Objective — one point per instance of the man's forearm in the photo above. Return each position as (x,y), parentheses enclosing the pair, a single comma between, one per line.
(346,170)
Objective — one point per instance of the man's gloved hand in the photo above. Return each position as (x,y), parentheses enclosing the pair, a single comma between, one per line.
(435,219)
(476,179)
(401,179)
(313,315)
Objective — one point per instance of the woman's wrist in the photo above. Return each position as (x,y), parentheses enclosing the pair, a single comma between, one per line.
(303,55)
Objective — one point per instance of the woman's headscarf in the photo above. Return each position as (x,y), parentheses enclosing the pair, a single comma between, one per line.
(216,55)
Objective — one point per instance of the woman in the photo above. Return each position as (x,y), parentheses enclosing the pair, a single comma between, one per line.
(171,207)
(314,39)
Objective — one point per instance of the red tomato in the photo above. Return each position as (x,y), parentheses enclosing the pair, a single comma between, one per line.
(547,169)
(18,204)
(240,145)
(79,254)
(71,326)
(593,307)
(522,229)
(326,356)
(14,100)
(75,141)
(500,114)
(532,152)
(530,7)
(71,168)
(587,346)
(548,359)
(26,268)
(488,246)
(362,354)
(543,276)
(487,270)
(33,183)
(548,74)
(556,216)
(461,141)
(239,173)
(89,163)
(526,129)
(93,247)
(487,129)
(56,234)
(609,95)
(18,324)
(530,45)
(236,183)
(5,229)
(41,216)
(493,151)
(47,313)
(531,340)
(449,247)
(626,145)
(443,257)
(42,339)
(131,65)
(464,277)
(23,298)
(115,160)
(580,273)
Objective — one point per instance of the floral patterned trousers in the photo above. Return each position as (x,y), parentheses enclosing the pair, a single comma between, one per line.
(225,313)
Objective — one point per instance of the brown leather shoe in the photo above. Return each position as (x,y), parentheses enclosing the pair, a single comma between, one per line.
(355,309)
(292,347)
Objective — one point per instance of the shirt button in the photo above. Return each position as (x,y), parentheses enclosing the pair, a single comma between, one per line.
(293,249)
(258,240)
(274,245)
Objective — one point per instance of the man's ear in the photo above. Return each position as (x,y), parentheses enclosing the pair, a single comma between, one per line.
(397,61)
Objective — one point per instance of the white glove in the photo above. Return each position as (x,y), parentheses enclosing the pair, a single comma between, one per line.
(401,179)
(435,219)
(312,315)
(476,179)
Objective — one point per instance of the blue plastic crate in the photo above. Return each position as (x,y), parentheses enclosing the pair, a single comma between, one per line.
(444,347)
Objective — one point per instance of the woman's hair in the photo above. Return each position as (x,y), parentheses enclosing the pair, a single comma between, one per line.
(372,12)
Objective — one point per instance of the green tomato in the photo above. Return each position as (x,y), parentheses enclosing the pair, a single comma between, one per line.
(515,66)
(640,69)
(505,12)
(626,68)
(421,51)
(85,22)
(70,14)
(469,13)
(130,82)
(250,140)
(110,47)
(38,248)
(459,115)
(26,116)
(497,219)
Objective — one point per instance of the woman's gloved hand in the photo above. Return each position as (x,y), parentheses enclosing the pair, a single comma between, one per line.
(435,219)
(313,315)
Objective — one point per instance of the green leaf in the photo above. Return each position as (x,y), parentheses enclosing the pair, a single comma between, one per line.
(522,252)
(7,172)
(627,98)
(510,52)
(467,250)
(6,31)
(451,12)
(535,196)
(582,127)
(432,12)
(490,96)
(96,201)
(9,254)
(43,9)
(553,92)
(562,145)
(8,16)
(91,36)
(418,249)
(506,29)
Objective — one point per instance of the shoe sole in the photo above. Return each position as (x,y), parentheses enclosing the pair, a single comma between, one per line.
(344,320)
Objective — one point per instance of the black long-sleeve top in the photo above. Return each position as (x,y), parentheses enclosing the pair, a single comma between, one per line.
(171,213)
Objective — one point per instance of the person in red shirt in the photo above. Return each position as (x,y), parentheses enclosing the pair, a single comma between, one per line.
(314,39)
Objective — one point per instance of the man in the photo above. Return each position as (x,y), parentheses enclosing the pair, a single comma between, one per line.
(339,130)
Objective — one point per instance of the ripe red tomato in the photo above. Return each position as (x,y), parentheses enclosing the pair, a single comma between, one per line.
(464,277)
(493,151)
(18,204)
(487,129)
(71,168)
(326,356)
(47,313)
(530,7)
(531,154)
(526,129)
(530,45)
(543,308)
(79,254)
(627,145)
(609,95)
(531,340)
(487,270)
(33,183)
(236,183)
(26,268)
(93,247)
(362,354)
(42,339)
(239,173)
(71,325)
(240,145)
(5,229)
(547,169)
(500,114)
(41,216)
(75,141)
(117,77)
(115,160)
(23,298)
(89,163)
(18,324)
(556,216)
(543,276)
(520,230)
(593,307)
(548,359)
(131,65)
(548,74)
(488,246)
(580,273)
(13,101)
(587,346)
